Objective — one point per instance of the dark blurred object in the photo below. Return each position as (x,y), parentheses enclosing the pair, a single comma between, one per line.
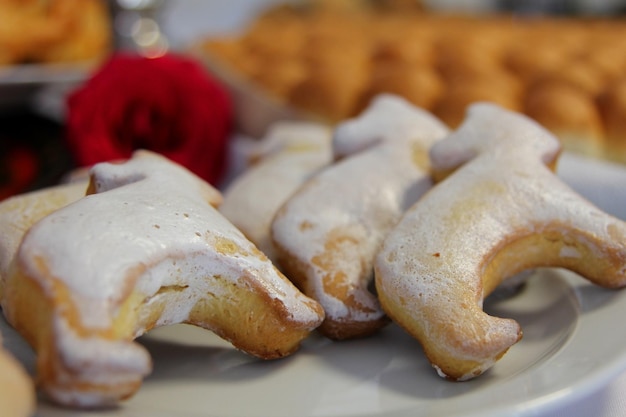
(32,153)
(537,7)
(21,85)
(564,7)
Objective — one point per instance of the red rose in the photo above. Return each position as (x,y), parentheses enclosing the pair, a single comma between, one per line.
(168,104)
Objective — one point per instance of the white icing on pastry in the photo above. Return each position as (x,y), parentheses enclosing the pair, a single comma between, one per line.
(147,250)
(501,212)
(20,212)
(293,151)
(328,232)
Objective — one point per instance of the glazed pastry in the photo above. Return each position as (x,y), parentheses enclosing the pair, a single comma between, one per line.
(17,215)
(146,248)
(327,234)
(20,212)
(291,153)
(502,210)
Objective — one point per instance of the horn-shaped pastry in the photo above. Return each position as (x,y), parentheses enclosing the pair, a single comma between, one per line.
(327,234)
(501,211)
(146,249)
(293,151)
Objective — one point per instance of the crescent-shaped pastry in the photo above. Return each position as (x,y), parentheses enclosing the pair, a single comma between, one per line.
(146,249)
(295,151)
(327,234)
(17,215)
(501,211)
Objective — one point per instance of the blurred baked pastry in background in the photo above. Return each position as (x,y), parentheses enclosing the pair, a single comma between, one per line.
(327,233)
(328,60)
(36,31)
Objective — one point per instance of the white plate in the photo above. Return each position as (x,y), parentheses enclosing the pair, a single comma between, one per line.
(570,349)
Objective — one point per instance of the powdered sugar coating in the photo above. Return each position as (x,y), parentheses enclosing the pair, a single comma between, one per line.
(502,195)
(153,210)
(18,213)
(333,225)
(149,233)
(293,152)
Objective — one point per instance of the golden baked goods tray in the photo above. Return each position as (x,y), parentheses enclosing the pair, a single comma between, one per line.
(568,351)
(327,59)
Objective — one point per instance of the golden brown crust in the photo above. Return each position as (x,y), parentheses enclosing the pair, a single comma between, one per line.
(31,312)
(337,329)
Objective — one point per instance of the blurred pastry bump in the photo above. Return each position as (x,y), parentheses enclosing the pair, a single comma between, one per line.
(422,86)
(497,87)
(612,104)
(327,233)
(535,51)
(291,152)
(498,209)
(485,43)
(18,213)
(404,40)
(54,31)
(339,71)
(88,37)
(569,112)
(145,248)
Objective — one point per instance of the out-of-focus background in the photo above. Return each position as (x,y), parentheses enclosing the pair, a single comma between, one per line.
(561,62)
